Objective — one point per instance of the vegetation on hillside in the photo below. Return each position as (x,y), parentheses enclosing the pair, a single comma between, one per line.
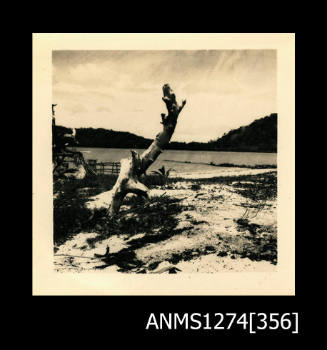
(259,136)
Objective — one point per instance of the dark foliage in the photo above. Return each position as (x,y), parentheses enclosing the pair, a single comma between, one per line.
(263,188)
(70,216)
(259,136)
(89,137)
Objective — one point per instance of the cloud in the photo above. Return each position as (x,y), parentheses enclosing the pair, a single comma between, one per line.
(122,90)
(103,109)
(74,109)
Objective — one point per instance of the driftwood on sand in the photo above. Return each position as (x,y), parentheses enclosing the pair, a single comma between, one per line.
(136,165)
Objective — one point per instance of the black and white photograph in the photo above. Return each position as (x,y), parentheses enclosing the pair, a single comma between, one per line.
(167,162)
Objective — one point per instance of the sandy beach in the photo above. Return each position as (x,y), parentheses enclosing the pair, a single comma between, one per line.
(215,229)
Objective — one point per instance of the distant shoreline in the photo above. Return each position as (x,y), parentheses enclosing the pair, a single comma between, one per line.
(228,165)
(258,137)
(175,149)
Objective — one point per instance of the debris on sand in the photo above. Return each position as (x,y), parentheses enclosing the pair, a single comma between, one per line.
(222,224)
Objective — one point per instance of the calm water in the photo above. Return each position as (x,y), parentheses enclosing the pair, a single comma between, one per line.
(173,158)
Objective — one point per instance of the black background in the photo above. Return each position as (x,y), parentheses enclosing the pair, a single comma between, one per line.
(90,319)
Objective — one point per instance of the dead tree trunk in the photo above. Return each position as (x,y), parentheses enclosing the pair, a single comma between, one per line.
(132,168)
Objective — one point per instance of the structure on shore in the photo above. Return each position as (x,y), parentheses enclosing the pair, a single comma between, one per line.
(67,163)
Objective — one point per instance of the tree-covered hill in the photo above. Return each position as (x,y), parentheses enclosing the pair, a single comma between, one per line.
(89,137)
(259,136)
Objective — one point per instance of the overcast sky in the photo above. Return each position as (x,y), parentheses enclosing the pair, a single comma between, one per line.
(122,90)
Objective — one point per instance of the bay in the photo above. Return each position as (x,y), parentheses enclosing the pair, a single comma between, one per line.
(183,161)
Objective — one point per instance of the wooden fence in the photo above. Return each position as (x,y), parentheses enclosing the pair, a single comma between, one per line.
(70,160)
(103,168)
